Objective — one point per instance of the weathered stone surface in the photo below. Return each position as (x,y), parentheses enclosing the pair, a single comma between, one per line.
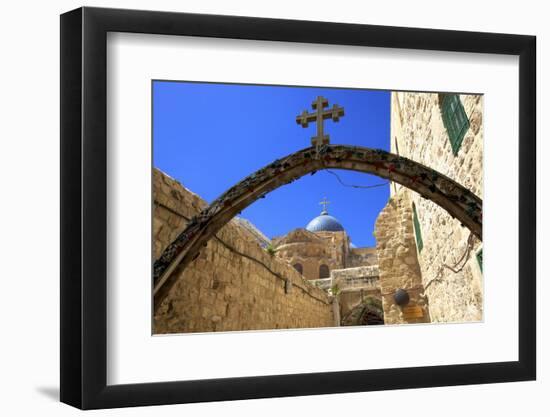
(234,284)
(312,250)
(398,264)
(418,133)
(362,256)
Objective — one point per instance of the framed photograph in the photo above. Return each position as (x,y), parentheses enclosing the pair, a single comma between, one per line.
(256,208)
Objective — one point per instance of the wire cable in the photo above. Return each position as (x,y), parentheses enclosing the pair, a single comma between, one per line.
(354,185)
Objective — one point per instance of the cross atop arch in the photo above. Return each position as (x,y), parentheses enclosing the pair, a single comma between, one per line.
(319,116)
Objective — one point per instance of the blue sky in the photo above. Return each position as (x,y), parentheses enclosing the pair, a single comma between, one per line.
(210,136)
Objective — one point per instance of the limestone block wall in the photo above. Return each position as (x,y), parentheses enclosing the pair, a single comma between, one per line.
(418,133)
(233,284)
(311,255)
(361,256)
(313,249)
(355,285)
(398,265)
(338,242)
(358,277)
(356,272)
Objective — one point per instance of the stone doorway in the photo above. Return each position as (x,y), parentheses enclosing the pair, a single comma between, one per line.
(367,313)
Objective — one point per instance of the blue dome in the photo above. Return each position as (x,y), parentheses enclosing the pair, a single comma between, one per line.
(324,223)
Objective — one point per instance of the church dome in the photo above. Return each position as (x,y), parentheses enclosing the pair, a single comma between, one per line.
(324,223)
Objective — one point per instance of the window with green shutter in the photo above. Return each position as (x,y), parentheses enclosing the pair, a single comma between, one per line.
(417,232)
(479,257)
(455,119)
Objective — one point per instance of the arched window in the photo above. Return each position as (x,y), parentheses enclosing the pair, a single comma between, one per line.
(299,268)
(324,271)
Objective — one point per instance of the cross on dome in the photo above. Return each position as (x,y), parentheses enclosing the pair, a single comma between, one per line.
(324,222)
(324,203)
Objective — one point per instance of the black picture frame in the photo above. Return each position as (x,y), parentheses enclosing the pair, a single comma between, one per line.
(84,207)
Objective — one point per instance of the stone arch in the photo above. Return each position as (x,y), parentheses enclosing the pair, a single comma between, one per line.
(458,201)
(324,271)
(365,314)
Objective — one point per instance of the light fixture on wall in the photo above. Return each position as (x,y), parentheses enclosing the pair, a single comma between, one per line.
(401,297)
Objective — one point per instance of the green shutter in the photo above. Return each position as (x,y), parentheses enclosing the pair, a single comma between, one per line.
(479,257)
(417,232)
(455,120)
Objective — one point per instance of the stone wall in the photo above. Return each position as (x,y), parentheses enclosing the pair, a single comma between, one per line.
(358,277)
(398,265)
(451,274)
(233,284)
(348,300)
(361,256)
(311,250)
(354,285)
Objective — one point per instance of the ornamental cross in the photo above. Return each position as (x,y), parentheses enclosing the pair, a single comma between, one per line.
(324,203)
(319,116)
